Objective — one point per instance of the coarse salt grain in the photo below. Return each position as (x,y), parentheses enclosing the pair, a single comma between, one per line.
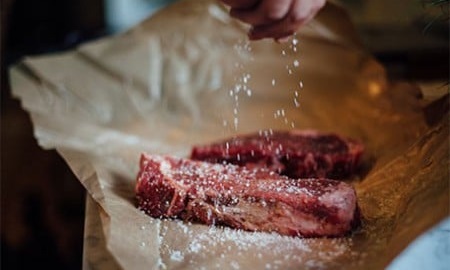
(177,256)
(234,265)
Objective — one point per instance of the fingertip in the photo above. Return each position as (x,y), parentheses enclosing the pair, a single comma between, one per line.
(240,4)
(259,32)
(278,32)
(233,12)
(282,39)
(275,10)
(254,35)
(239,14)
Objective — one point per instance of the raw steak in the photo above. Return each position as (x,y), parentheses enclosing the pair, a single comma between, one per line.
(169,187)
(296,154)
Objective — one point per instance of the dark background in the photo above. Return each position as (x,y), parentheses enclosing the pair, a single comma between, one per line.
(42,203)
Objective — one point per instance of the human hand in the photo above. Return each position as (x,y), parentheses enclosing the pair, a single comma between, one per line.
(276,19)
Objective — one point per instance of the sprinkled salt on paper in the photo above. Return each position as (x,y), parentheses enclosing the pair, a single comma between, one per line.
(237,249)
(404,190)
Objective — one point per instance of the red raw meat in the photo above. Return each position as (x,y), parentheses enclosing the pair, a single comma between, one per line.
(296,154)
(169,187)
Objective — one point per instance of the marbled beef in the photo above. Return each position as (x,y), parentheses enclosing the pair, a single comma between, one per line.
(242,198)
(296,154)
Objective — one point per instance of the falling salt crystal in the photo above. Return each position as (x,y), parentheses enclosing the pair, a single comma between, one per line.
(295,41)
(249,92)
(225,123)
(176,256)
(296,63)
(296,93)
(234,265)
(300,84)
(273,82)
(195,247)
(283,52)
(142,244)
(143,227)
(161,264)
(296,103)
(289,71)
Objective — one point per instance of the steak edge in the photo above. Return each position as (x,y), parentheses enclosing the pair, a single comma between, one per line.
(217,194)
(296,154)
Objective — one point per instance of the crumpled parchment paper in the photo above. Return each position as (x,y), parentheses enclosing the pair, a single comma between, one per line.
(188,75)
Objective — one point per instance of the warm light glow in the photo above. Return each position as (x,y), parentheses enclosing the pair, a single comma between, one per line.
(374,88)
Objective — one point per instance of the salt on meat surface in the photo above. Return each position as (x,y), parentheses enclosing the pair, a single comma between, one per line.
(242,198)
(295,153)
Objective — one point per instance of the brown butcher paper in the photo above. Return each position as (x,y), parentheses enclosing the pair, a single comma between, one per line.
(189,75)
